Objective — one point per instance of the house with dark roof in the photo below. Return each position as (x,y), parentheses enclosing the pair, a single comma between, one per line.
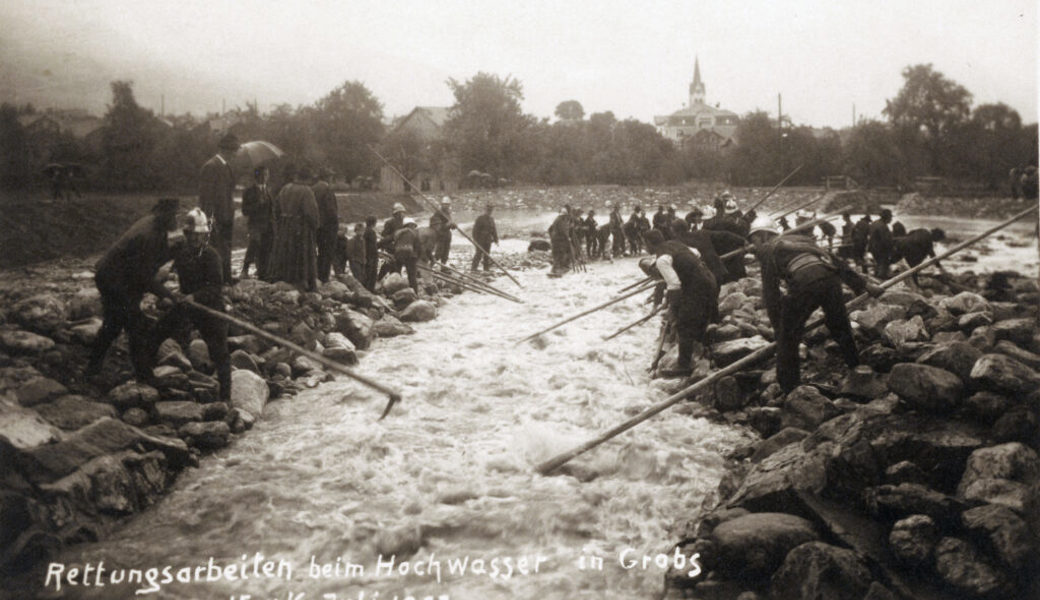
(426,123)
(699,123)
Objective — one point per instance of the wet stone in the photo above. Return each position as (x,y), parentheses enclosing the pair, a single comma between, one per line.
(138,417)
(963,569)
(240,359)
(177,413)
(1013,461)
(419,311)
(133,394)
(957,358)
(1003,532)
(985,406)
(17,341)
(754,545)
(42,313)
(38,390)
(926,388)
(73,412)
(209,435)
(913,540)
(1025,357)
(731,351)
(819,570)
(1001,373)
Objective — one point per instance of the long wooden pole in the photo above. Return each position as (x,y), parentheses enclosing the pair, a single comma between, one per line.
(452,280)
(811,201)
(585,312)
(437,210)
(634,324)
(796,229)
(394,396)
(554,463)
(480,283)
(775,188)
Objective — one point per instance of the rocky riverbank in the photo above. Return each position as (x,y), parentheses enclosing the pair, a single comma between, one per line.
(915,476)
(79,454)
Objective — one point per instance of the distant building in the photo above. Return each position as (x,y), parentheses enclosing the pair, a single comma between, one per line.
(426,123)
(698,123)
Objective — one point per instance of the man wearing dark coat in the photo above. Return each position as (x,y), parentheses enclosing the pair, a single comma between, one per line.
(860,237)
(258,208)
(216,199)
(198,274)
(707,243)
(813,277)
(845,251)
(617,232)
(356,253)
(123,276)
(407,250)
(441,224)
(692,293)
(562,247)
(880,244)
(484,234)
(328,224)
(917,245)
(386,239)
(294,258)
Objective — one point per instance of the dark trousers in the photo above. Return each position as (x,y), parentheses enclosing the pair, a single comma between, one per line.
(694,311)
(796,307)
(326,238)
(882,260)
(440,253)
(122,311)
(357,269)
(220,239)
(371,274)
(618,242)
(177,322)
(258,252)
(485,245)
(410,262)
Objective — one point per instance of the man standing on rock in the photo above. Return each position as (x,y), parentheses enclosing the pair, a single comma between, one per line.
(813,277)
(123,276)
(216,198)
(371,254)
(386,241)
(484,234)
(692,294)
(258,208)
(294,258)
(407,250)
(560,237)
(441,224)
(198,273)
(881,245)
(328,223)
(860,237)
(617,231)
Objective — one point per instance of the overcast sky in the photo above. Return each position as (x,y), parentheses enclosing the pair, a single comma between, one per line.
(633,58)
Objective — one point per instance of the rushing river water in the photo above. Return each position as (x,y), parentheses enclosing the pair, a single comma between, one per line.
(448,477)
(449,474)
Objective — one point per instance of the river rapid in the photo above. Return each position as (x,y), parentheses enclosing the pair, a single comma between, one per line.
(449,476)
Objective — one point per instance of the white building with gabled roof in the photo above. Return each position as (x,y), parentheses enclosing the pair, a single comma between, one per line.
(699,123)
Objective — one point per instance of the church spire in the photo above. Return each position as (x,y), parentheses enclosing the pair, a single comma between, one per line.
(697,86)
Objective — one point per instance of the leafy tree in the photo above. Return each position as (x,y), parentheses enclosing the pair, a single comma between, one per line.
(755,161)
(487,130)
(873,155)
(929,109)
(344,123)
(127,141)
(14,164)
(570,110)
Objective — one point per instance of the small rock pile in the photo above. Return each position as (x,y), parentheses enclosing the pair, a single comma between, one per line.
(77,454)
(915,476)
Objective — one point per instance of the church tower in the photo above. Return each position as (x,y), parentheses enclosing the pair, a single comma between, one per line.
(697,86)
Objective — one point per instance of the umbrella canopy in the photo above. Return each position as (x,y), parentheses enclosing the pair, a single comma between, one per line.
(475,173)
(251,155)
(50,169)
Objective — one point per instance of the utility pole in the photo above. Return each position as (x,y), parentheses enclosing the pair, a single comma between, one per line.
(853,114)
(162,105)
(780,128)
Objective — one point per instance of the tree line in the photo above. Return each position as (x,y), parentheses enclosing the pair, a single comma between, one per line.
(930,129)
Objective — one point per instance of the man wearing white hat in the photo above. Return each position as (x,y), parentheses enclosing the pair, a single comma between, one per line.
(386,239)
(442,225)
(198,268)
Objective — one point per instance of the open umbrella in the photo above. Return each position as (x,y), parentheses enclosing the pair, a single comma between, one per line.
(251,155)
(52,168)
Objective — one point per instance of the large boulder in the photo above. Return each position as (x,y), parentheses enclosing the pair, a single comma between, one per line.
(899,501)
(957,358)
(806,408)
(178,412)
(419,311)
(985,407)
(754,545)
(240,359)
(72,412)
(132,394)
(1017,331)
(403,297)
(1001,373)
(24,428)
(38,390)
(874,318)
(965,302)
(961,567)
(249,392)
(210,435)
(17,341)
(926,388)
(390,326)
(1025,357)
(392,283)
(913,540)
(733,350)
(1001,531)
(105,436)
(819,570)
(357,327)
(43,313)
(777,441)
(1012,461)
(899,333)
(340,349)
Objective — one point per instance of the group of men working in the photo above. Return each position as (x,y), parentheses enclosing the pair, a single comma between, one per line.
(293,237)
(690,274)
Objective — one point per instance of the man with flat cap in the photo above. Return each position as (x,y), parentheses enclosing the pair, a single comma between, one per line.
(123,275)
(216,199)
(484,234)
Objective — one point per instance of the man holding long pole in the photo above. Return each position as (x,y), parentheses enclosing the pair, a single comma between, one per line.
(814,278)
